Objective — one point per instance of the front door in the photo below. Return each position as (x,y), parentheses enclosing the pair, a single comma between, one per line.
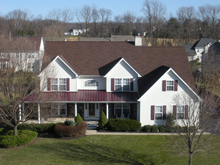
(91,111)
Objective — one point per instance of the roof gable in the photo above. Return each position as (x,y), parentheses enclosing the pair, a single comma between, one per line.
(160,72)
(118,63)
(62,60)
(202,42)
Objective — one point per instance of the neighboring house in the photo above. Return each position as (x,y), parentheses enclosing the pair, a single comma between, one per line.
(211,56)
(75,32)
(199,47)
(191,54)
(25,53)
(119,78)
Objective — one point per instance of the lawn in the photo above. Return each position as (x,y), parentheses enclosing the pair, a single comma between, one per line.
(103,149)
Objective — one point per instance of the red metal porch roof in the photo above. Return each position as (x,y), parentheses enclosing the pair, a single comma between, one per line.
(83,96)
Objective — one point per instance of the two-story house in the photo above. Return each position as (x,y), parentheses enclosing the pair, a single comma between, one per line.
(22,53)
(119,78)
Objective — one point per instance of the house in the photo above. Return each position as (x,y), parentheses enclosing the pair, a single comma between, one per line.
(211,56)
(75,32)
(119,78)
(199,46)
(191,54)
(22,53)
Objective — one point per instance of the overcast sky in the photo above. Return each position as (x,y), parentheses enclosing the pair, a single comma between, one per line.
(118,7)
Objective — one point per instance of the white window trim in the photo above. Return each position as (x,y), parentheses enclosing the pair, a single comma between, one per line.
(170,85)
(158,112)
(181,112)
(122,84)
(95,84)
(58,84)
(59,107)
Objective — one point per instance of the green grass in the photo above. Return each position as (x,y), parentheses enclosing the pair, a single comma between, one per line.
(105,149)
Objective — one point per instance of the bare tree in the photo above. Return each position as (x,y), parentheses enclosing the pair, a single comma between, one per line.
(154,12)
(194,118)
(84,15)
(18,80)
(105,15)
(95,19)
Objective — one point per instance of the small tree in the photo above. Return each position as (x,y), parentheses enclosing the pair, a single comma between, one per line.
(78,118)
(103,120)
(170,122)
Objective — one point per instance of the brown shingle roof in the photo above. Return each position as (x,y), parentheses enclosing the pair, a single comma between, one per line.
(93,58)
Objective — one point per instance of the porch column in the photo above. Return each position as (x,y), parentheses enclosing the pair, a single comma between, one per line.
(20,113)
(75,109)
(23,110)
(107,110)
(38,105)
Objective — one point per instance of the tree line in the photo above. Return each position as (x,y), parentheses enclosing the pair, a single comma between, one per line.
(188,24)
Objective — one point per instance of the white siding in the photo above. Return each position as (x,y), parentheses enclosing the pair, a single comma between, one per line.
(121,70)
(155,96)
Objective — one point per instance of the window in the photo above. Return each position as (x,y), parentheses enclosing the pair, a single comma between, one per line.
(54,84)
(122,110)
(54,109)
(91,83)
(122,84)
(31,66)
(17,55)
(170,85)
(158,112)
(58,109)
(58,84)
(180,112)
(30,55)
(62,84)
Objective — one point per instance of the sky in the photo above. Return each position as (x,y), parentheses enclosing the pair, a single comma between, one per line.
(118,7)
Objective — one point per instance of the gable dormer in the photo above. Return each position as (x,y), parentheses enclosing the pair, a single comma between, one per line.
(122,77)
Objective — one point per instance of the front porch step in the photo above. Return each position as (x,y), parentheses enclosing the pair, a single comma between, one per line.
(92,125)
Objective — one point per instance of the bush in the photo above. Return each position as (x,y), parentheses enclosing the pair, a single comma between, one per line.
(146,128)
(161,128)
(70,131)
(103,120)
(123,125)
(154,128)
(170,122)
(9,140)
(70,122)
(38,127)
(78,119)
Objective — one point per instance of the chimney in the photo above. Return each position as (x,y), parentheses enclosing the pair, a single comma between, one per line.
(138,41)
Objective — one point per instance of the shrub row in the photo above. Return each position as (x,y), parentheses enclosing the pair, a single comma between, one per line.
(153,128)
(38,127)
(123,125)
(71,131)
(9,140)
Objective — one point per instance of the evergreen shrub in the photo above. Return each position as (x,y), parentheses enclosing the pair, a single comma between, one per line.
(102,121)
(123,125)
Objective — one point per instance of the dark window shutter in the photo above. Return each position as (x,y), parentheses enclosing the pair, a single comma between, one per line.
(164,85)
(131,84)
(68,84)
(186,111)
(174,111)
(175,85)
(112,84)
(48,84)
(68,109)
(164,112)
(152,112)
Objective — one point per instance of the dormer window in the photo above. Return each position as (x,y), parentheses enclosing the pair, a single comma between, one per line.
(122,84)
(91,83)
(58,84)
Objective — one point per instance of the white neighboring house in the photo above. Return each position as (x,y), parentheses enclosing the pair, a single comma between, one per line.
(76,32)
(118,78)
(199,47)
(26,53)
